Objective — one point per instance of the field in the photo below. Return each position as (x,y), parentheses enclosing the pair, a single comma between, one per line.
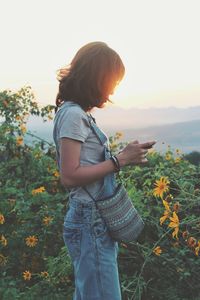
(163,264)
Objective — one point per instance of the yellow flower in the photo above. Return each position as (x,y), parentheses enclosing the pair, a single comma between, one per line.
(2,219)
(157,250)
(118,135)
(47,220)
(38,155)
(56,174)
(113,146)
(178,151)
(31,241)
(3,260)
(3,240)
(19,140)
(166,205)
(197,249)
(166,212)
(177,160)
(50,117)
(161,187)
(44,274)
(23,128)
(152,151)
(34,104)
(27,275)
(18,118)
(168,156)
(38,190)
(174,224)
(164,217)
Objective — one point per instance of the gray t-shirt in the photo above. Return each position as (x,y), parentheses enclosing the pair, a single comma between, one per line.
(72,121)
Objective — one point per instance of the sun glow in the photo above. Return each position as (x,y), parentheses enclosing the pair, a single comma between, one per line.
(157,41)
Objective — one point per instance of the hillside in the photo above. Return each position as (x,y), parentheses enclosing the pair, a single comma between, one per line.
(182,135)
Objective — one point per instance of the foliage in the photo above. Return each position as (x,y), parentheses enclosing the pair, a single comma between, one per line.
(193,157)
(163,264)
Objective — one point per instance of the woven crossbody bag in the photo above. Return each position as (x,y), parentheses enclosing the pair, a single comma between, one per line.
(122,219)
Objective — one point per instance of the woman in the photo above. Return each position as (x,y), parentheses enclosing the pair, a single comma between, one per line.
(87,169)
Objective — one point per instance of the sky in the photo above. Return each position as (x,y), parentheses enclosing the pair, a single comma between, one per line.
(158,41)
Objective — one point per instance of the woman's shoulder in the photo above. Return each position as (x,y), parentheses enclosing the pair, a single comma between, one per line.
(71,113)
(73,108)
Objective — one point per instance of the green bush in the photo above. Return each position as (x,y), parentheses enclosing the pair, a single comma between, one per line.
(163,264)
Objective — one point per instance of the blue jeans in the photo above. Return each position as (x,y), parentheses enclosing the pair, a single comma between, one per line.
(93,253)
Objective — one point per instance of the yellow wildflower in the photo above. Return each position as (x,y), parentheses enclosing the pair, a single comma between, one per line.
(2,219)
(157,250)
(38,155)
(50,117)
(27,275)
(166,212)
(197,249)
(168,156)
(23,128)
(164,217)
(56,174)
(19,140)
(44,274)
(3,240)
(177,160)
(34,104)
(3,260)
(152,151)
(178,151)
(31,241)
(47,220)
(174,224)
(38,190)
(161,187)
(118,135)
(113,146)
(18,118)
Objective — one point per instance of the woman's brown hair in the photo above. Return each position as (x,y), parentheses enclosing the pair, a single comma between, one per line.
(91,76)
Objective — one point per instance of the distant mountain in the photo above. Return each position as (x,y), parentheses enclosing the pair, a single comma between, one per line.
(182,135)
(117,118)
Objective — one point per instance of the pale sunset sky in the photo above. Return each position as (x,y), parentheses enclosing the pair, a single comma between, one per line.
(158,41)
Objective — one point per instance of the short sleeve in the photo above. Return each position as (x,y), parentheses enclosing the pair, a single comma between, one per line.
(74,124)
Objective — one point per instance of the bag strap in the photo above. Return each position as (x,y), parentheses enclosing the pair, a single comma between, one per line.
(95,130)
(97,133)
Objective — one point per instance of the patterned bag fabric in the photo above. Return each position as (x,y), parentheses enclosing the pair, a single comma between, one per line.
(121,217)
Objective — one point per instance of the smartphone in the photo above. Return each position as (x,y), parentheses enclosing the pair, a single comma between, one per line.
(150,145)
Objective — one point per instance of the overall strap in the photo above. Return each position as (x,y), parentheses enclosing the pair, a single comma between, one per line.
(96,130)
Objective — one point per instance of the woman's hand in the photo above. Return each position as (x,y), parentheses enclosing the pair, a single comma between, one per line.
(134,153)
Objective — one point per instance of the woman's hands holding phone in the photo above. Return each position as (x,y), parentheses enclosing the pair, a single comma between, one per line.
(134,153)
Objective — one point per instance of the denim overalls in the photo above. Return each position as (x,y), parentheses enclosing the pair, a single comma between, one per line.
(93,252)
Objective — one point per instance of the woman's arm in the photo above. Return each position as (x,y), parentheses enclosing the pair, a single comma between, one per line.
(72,174)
